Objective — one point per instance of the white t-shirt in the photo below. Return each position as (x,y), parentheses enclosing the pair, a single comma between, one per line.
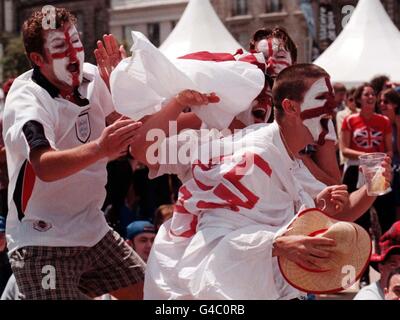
(218,244)
(66,212)
(371,292)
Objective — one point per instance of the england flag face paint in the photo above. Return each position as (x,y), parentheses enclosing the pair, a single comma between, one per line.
(67,55)
(318,105)
(277,55)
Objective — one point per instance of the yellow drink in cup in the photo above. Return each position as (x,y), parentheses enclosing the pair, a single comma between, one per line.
(372,169)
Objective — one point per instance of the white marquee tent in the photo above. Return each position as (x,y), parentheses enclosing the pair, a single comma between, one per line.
(199,29)
(369,45)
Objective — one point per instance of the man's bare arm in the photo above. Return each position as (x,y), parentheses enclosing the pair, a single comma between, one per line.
(161,121)
(51,165)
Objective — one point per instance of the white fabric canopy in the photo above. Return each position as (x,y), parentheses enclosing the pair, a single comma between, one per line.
(199,29)
(368,46)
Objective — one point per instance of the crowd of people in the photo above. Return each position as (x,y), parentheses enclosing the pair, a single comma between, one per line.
(89,209)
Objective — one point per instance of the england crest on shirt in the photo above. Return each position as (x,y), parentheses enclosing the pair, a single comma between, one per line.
(82,127)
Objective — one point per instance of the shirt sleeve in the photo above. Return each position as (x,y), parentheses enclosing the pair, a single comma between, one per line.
(346,125)
(34,134)
(26,122)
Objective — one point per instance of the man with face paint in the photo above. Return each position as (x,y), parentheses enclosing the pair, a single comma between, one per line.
(280,52)
(57,150)
(278,48)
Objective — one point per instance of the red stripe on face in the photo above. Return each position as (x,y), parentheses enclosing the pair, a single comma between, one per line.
(64,54)
(71,52)
(270,48)
(27,185)
(279,62)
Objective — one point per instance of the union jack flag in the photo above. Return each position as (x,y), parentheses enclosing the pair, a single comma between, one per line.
(367,138)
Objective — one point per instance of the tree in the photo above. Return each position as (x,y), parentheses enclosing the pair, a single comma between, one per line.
(14,61)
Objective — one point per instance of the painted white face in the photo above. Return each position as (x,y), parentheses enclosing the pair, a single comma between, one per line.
(67,55)
(318,101)
(276,54)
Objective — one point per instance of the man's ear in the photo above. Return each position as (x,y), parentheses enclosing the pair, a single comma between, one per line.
(289,107)
(37,59)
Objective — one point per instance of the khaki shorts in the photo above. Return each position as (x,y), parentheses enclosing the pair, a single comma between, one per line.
(71,273)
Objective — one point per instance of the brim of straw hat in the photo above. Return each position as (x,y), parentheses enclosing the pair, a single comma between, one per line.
(348,267)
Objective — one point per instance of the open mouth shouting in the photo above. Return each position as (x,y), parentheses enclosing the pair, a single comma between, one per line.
(73,67)
(259,113)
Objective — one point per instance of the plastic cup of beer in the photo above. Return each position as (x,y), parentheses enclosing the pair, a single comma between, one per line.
(371,165)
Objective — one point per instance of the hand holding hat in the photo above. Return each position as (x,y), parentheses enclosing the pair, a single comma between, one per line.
(338,270)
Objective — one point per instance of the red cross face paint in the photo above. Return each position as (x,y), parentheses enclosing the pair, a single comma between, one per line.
(66,51)
(317,107)
(276,54)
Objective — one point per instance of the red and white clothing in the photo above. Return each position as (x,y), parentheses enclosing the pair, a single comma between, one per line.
(67,212)
(367,135)
(218,244)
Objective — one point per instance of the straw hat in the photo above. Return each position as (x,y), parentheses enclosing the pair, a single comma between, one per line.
(347,263)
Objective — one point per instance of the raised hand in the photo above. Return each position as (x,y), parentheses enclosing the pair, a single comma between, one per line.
(108,56)
(309,252)
(115,139)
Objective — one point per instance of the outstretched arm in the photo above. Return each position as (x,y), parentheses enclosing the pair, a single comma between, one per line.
(161,121)
(52,165)
(360,201)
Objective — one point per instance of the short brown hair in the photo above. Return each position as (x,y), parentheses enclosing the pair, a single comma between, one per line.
(32,30)
(279,33)
(339,87)
(293,82)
